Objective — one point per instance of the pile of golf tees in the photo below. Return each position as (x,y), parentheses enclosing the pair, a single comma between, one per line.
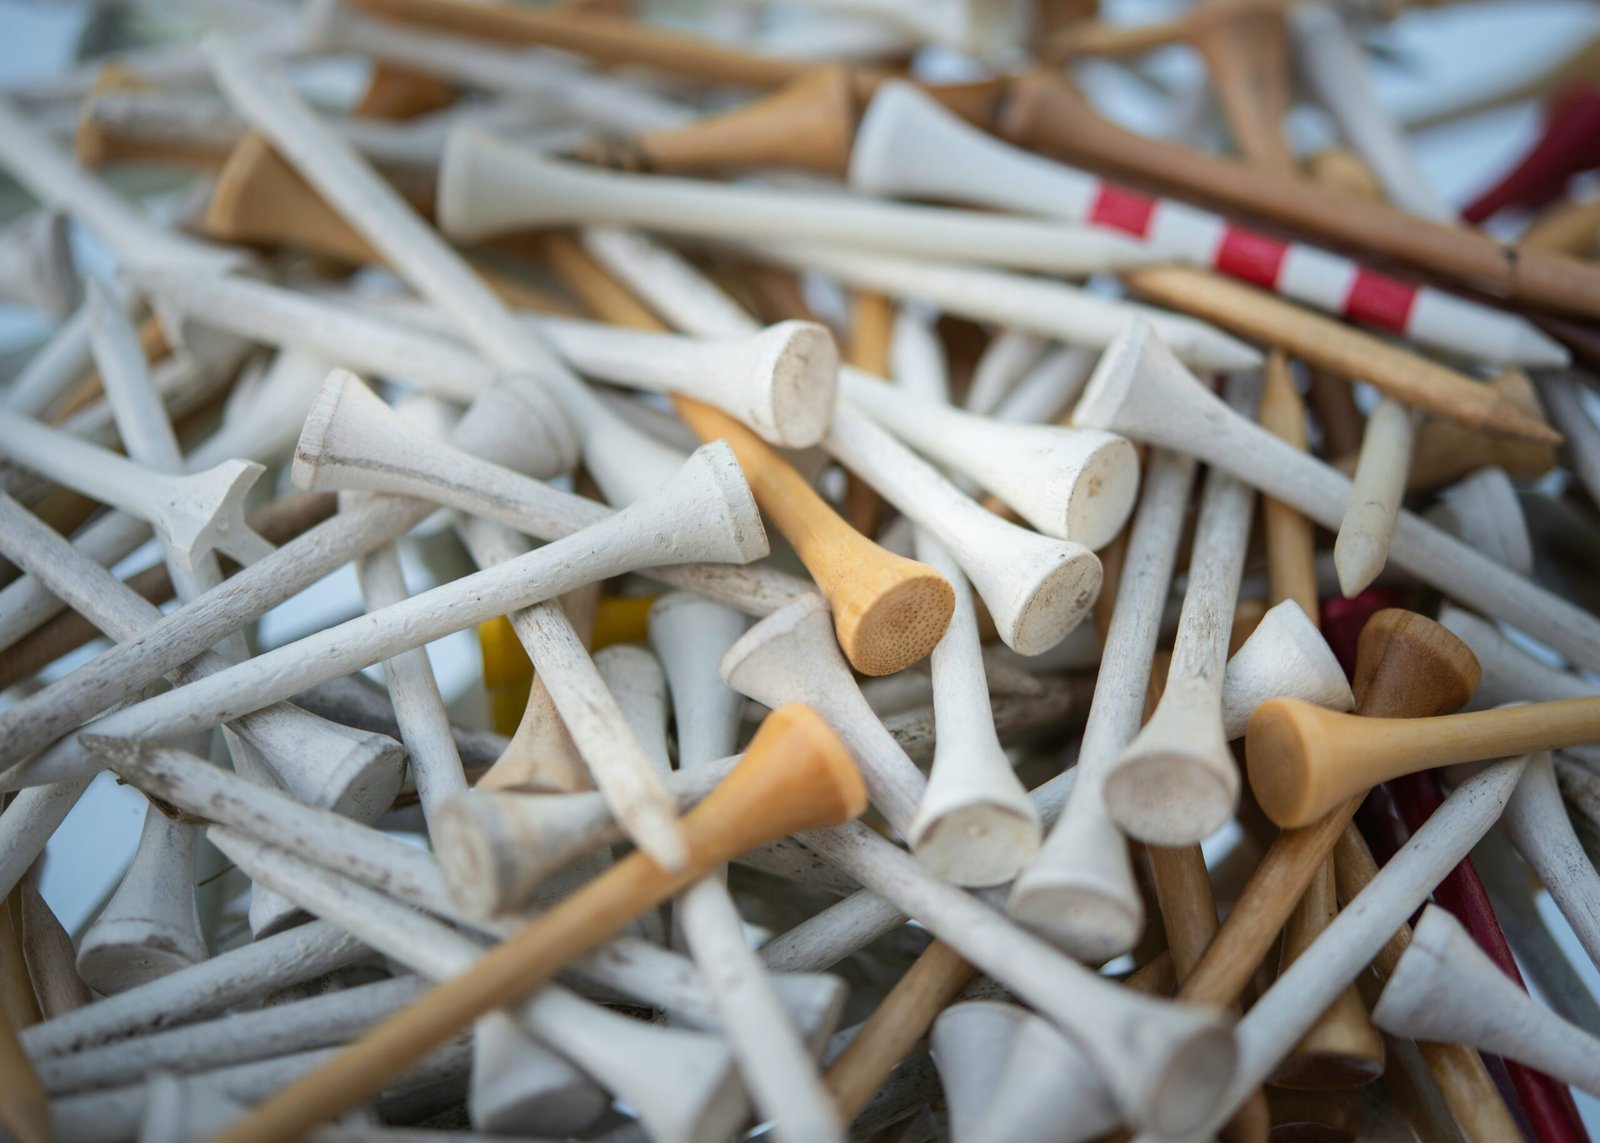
(897,513)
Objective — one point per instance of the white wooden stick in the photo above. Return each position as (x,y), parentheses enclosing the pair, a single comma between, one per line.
(1510,674)
(60,362)
(363,445)
(36,265)
(779,381)
(1177,783)
(1484,511)
(265,429)
(1334,67)
(1006,359)
(1536,822)
(115,1116)
(972,792)
(1068,483)
(488,187)
(1165,1064)
(205,989)
(418,705)
(1446,989)
(1562,394)
(1042,306)
(331,840)
(151,925)
(1049,387)
(150,928)
(1141,390)
(1080,891)
(275,1030)
(1379,484)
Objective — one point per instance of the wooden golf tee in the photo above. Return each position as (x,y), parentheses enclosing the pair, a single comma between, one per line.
(809,123)
(1330,344)
(888,611)
(900,1020)
(795,776)
(1305,761)
(1408,667)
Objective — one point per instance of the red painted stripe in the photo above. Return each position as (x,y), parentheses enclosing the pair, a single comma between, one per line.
(1380,300)
(1250,256)
(1122,210)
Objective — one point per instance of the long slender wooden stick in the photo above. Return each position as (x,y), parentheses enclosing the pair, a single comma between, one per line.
(603,39)
(1332,345)
(900,1020)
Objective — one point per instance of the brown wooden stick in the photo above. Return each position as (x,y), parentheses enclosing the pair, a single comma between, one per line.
(1342,1048)
(260,200)
(1189,914)
(888,611)
(795,776)
(24,1109)
(1246,49)
(1330,344)
(1043,111)
(900,1020)
(871,325)
(1291,543)
(1566,228)
(1445,451)
(395,93)
(47,948)
(603,40)
(1457,1069)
